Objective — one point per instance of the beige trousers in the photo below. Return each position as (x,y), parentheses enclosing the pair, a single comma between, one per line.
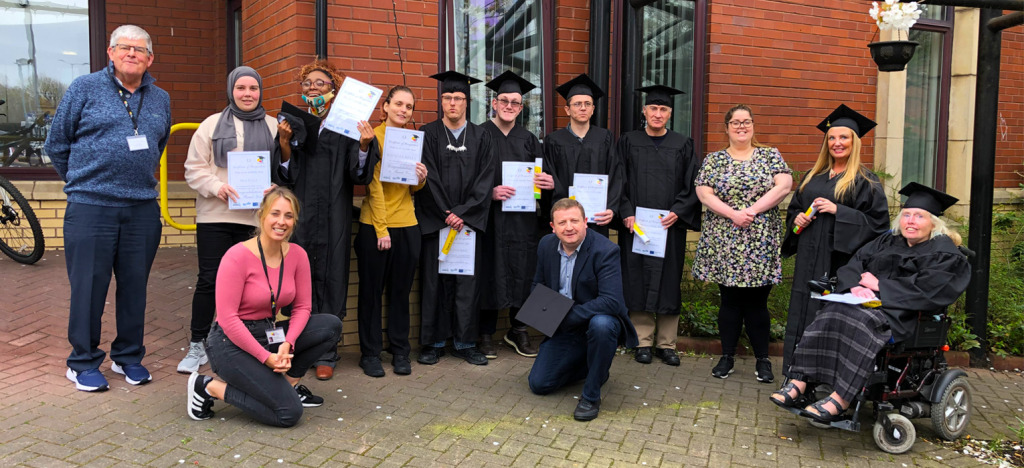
(646,323)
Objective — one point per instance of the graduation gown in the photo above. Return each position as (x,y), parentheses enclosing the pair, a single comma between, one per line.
(459,182)
(658,177)
(565,155)
(322,173)
(510,244)
(925,277)
(860,217)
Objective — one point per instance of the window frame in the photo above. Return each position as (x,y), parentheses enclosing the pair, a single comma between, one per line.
(944,27)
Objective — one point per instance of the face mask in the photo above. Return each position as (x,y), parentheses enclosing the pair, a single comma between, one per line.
(319,103)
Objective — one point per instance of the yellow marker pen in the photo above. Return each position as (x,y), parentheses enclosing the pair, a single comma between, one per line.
(810,214)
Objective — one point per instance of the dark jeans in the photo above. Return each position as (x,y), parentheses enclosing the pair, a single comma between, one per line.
(395,269)
(100,240)
(571,356)
(744,307)
(212,241)
(256,389)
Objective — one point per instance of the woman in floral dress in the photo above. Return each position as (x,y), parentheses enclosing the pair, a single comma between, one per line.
(742,186)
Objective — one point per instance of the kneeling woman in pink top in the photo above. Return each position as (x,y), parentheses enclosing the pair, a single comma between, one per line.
(260,355)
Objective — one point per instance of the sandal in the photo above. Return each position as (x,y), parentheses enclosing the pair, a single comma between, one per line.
(787,401)
(824,416)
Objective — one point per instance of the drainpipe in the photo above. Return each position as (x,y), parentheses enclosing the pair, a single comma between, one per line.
(600,34)
(321,29)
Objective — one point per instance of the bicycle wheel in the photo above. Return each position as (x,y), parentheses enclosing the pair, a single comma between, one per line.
(21,236)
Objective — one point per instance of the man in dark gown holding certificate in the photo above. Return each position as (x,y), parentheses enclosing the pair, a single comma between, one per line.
(511,241)
(660,169)
(460,176)
(582,148)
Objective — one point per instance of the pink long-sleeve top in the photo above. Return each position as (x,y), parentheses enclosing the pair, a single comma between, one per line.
(243,294)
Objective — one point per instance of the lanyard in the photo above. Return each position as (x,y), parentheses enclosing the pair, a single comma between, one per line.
(133,115)
(280,278)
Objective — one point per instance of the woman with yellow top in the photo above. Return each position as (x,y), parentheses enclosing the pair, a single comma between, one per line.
(388,248)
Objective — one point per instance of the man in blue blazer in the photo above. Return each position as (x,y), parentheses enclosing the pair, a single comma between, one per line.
(584,267)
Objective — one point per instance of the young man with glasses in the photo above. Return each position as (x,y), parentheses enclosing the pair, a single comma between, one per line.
(582,148)
(511,242)
(660,169)
(105,143)
(460,175)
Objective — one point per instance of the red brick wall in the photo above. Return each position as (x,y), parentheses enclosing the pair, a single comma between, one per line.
(1010,135)
(791,62)
(190,53)
(572,49)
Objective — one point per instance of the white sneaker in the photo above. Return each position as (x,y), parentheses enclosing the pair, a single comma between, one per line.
(196,357)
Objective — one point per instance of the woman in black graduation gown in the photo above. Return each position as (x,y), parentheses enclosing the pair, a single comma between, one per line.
(916,267)
(851,210)
(321,170)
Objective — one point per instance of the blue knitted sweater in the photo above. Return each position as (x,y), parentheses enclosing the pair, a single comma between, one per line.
(88,140)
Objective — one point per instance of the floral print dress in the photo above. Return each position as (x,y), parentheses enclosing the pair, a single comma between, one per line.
(730,255)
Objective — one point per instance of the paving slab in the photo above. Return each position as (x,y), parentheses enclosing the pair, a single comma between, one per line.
(449,414)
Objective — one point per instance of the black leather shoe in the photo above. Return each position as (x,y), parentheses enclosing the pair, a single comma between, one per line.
(668,356)
(643,355)
(429,355)
(371,366)
(519,340)
(586,410)
(471,355)
(402,365)
(487,347)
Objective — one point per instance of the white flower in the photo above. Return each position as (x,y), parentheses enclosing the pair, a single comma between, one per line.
(892,14)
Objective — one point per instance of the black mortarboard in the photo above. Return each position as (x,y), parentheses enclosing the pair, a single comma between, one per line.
(582,84)
(454,82)
(927,198)
(545,309)
(659,95)
(510,82)
(845,117)
(305,126)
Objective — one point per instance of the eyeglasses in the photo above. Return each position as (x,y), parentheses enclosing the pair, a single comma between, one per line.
(318,83)
(741,123)
(124,48)
(582,104)
(453,99)
(502,102)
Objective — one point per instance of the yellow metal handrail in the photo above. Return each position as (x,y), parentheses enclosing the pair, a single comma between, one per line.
(163,181)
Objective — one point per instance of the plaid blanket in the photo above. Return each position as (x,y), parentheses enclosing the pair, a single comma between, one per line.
(839,347)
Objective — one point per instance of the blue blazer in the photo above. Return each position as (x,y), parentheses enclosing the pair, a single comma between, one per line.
(596,283)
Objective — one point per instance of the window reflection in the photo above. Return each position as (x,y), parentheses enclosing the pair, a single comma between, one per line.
(44,45)
(668,55)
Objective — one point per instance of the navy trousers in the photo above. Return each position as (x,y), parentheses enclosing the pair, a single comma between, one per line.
(100,240)
(570,356)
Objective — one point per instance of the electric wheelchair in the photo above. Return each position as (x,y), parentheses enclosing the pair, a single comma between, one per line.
(910,380)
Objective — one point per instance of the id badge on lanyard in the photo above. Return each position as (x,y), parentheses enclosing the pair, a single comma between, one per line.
(276,334)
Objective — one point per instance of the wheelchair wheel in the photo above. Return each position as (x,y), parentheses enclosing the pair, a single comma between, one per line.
(952,413)
(899,439)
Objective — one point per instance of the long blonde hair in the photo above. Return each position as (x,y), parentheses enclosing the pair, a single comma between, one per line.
(847,183)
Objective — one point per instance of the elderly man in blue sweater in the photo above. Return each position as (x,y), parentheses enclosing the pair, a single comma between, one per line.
(107,136)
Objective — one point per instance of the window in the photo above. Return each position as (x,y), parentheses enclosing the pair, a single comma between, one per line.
(667,56)
(234,34)
(43,46)
(487,37)
(927,99)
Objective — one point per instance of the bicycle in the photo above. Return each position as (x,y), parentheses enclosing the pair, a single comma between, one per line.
(21,235)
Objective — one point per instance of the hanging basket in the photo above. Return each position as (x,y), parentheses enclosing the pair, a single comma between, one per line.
(892,56)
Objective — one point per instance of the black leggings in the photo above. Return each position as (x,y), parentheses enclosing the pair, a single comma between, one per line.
(744,306)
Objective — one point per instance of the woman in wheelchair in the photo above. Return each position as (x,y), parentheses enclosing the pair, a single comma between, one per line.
(914,267)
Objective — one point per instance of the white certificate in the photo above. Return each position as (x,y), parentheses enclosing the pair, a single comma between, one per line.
(591,190)
(249,175)
(649,221)
(403,148)
(460,258)
(355,101)
(848,298)
(518,175)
